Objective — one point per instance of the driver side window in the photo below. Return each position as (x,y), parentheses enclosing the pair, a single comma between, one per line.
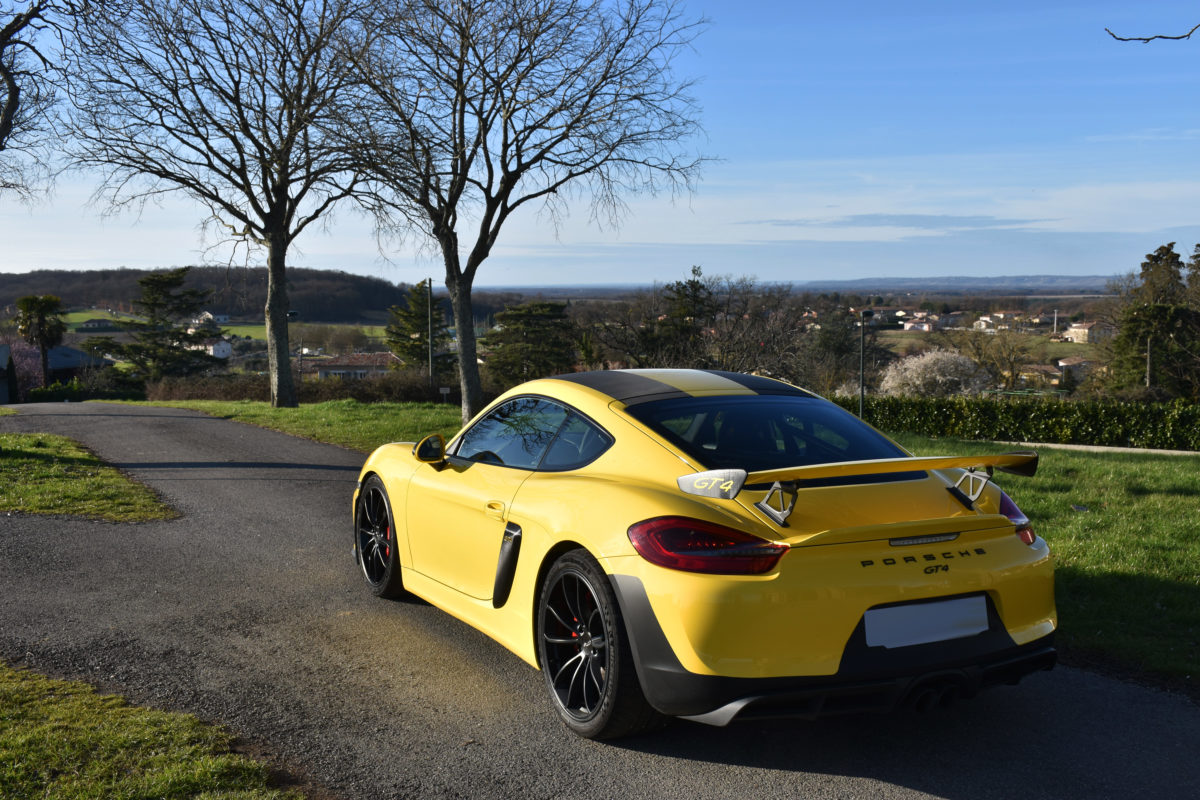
(514,434)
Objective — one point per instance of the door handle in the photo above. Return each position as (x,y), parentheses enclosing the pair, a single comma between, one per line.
(494,509)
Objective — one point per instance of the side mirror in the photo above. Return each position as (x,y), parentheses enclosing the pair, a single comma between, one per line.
(431,449)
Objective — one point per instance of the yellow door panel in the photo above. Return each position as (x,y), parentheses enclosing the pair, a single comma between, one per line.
(456,518)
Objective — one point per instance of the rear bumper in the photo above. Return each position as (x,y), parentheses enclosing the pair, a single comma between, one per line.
(869,679)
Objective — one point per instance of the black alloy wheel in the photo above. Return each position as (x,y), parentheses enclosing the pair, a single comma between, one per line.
(375,545)
(584,655)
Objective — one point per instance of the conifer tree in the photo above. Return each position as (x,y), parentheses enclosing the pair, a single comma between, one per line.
(411,327)
(532,340)
(162,344)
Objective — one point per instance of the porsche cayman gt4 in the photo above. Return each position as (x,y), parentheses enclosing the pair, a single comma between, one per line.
(714,546)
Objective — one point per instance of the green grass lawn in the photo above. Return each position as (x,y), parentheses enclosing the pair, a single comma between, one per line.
(74,318)
(1123,530)
(359,426)
(259,330)
(63,741)
(45,474)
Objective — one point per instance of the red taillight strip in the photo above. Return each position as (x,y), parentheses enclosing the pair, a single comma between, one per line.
(694,545)
(1024,528)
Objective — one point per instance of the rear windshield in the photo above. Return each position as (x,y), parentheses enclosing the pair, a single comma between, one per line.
(761,432)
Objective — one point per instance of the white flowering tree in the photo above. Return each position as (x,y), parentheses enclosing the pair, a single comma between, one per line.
(934,373)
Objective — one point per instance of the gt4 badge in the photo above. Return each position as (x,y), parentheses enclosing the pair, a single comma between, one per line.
(721,484)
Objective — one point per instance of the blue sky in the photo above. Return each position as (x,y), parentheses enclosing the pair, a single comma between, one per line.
(856,140)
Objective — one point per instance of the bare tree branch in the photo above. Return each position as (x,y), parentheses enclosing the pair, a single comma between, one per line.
(26,97)
(1187,35)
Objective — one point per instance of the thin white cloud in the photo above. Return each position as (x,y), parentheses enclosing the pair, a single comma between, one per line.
(920,222)
(1147,135)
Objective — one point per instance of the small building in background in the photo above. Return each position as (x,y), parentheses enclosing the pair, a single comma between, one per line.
(1089,332)
(68,362)
(357,365)
(1077,367)
(217,348)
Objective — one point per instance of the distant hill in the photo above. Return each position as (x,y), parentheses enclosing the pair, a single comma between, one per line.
(968,285)
(317,295)
(937,285)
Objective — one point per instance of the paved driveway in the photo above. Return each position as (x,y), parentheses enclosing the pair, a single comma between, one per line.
(248,610)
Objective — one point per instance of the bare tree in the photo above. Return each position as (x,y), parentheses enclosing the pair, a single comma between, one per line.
(26,95)
(230,102)
(1002,354)
(487,106)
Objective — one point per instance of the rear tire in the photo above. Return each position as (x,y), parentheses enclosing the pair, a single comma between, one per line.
(375,546)
(585,656)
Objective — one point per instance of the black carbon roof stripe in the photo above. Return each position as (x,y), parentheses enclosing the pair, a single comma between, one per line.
(628,387)
(761,385)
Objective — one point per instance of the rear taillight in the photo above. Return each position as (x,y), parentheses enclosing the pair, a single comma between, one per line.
(1024,529)
(693,545)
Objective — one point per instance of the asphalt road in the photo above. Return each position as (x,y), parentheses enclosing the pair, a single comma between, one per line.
(248,610)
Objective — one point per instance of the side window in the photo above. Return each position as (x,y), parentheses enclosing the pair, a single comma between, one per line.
(515,434)
(578,444)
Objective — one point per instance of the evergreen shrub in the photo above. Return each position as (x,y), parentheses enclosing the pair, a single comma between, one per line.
(1161,426)
(396,386)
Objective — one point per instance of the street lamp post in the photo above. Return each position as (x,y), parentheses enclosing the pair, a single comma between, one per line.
(429,306)
(864,314)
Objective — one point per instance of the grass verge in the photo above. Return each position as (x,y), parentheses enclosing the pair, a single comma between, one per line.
(61,740)
(1127,549)
(349,423)
(46,474)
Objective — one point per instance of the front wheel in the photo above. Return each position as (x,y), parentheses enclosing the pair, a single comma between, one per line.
(585,656)
(375,546)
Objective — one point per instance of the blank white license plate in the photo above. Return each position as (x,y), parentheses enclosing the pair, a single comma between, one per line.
(921,623)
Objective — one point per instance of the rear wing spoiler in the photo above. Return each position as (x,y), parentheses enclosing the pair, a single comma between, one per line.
(726,484)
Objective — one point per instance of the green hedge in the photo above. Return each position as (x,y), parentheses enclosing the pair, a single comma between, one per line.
(57,392)
(74,391)
(1162,426)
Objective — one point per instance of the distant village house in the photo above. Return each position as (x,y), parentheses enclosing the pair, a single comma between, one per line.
(1088,332)
(357,366)
(217,348)
(67,363)
(207,318)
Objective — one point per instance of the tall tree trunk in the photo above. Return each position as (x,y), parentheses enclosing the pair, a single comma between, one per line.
(458,285)
(468,363)
(45,351)
(279,361)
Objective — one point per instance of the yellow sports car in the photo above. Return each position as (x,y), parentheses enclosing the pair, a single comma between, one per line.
(711,545)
